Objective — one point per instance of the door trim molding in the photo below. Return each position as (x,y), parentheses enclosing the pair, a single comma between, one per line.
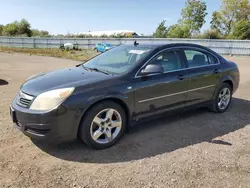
(190,90)
(173,94)
(163,96)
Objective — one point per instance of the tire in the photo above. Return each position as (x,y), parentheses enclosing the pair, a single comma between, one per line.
(107,130)
(215,106)
(96,49)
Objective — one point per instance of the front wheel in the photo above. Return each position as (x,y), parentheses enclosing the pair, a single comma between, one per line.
(222,99)
(103,125)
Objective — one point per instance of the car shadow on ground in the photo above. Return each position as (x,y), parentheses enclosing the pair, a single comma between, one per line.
(161,136)
(3,82)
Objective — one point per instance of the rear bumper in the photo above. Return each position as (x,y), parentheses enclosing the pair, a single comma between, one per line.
(58,125)
(236,85)
(236,81)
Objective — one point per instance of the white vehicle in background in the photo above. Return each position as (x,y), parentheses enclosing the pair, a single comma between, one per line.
(69,46)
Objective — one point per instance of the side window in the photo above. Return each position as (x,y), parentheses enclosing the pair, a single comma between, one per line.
(212,59)
(197,58)
(169,60)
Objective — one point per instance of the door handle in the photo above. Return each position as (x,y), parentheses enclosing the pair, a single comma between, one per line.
(216,71)
(181,77)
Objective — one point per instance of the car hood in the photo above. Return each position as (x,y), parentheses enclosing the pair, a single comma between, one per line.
(70,77)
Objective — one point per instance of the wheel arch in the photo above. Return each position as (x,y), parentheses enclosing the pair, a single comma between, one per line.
(112,99)
(229,82)
(226,79)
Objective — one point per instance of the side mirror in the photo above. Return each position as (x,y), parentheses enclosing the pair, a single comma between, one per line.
(152,69)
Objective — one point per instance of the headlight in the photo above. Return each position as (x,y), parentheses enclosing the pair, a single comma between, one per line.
(51,99)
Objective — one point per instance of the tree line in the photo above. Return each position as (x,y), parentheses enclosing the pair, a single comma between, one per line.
(21,28)
(232,21)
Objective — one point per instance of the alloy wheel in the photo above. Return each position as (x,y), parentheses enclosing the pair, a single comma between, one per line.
(106,126)
(224,98)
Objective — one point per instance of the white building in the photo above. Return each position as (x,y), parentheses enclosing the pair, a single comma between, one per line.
(109,33)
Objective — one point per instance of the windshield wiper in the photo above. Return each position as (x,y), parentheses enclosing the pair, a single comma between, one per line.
(96,69)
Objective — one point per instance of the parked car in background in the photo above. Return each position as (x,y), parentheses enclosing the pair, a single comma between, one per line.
(98,100)
(103,47)
(69,46)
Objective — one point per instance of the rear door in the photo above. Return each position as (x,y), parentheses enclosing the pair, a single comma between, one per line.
(204,74)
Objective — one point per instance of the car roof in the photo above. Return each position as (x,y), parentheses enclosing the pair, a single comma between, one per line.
(162,45)
(106,43)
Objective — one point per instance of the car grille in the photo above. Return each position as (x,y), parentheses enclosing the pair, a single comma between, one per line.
(24,100)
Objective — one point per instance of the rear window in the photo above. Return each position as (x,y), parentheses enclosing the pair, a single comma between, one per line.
(197,58)
(212,59)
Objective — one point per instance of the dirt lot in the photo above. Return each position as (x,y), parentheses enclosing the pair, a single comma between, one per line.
(193,149)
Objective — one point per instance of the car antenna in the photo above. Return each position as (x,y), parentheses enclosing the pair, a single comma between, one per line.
(136,43)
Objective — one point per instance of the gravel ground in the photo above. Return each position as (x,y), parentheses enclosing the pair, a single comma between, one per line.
(193,149)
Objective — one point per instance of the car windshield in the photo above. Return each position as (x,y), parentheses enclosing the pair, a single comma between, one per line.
(118,60)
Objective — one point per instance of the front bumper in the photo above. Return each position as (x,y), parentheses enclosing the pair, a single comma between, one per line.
(58,125)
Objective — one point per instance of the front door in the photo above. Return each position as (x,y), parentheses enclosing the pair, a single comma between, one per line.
(204,74)
(162,92)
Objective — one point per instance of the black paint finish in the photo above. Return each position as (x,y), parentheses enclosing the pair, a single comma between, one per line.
(140,96)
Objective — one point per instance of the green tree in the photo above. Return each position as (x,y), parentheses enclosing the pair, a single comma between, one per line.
(1,29)
(161,30)
(24,28)
(193,15)
(178,31)
(210,34)
(16,28)
(11,29)
(37,33)
(241,30)
(231,12)
(217,22)
(235,10)
(44,33)
(104,36)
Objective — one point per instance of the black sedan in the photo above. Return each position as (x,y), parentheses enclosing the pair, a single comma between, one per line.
(98,100)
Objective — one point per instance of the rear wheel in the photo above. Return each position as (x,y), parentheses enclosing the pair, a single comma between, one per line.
(103,125)
(222,99)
